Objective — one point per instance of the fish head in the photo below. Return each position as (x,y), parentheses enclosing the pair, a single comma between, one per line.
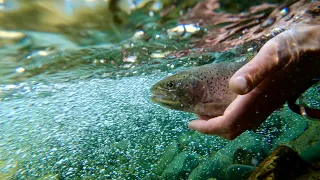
(181,91)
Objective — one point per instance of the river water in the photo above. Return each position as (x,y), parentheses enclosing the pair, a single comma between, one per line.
(75,87)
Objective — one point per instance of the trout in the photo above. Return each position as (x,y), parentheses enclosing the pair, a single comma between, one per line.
(202,90)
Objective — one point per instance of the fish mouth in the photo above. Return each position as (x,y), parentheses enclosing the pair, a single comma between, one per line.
(163,99)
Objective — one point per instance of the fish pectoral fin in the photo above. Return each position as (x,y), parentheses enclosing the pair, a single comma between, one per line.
(213,109)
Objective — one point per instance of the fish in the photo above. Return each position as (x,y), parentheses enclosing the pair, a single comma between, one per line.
(202,90)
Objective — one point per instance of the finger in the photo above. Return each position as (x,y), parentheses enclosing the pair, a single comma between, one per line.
(207,127)
(262,65)
(212,128)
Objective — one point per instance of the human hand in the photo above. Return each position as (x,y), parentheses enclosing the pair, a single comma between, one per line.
(282,70)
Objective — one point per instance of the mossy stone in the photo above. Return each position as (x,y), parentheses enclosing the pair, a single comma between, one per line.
(239,172)
(214,167)
(180,166)
(312,153)
(308,138)
(166,158)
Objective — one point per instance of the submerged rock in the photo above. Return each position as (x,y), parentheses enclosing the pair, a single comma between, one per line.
(313,175)
(212,167)
(166,158)
(215,167)
(268,22)
(180,166)
(308,144)
(295,125)
(308,138)
(239,172)
(311,154)
(283,163)
(249,157)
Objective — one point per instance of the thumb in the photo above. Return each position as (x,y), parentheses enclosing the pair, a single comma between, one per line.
(252,73)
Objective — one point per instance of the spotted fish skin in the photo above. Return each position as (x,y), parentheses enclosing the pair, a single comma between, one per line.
(202,90)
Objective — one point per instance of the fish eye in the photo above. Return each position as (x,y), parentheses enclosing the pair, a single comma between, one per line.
(170,84)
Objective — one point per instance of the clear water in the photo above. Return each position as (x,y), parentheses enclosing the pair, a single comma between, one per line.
(75,99)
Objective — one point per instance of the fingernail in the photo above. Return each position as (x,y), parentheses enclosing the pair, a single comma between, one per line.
(242,84)
(190,125)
